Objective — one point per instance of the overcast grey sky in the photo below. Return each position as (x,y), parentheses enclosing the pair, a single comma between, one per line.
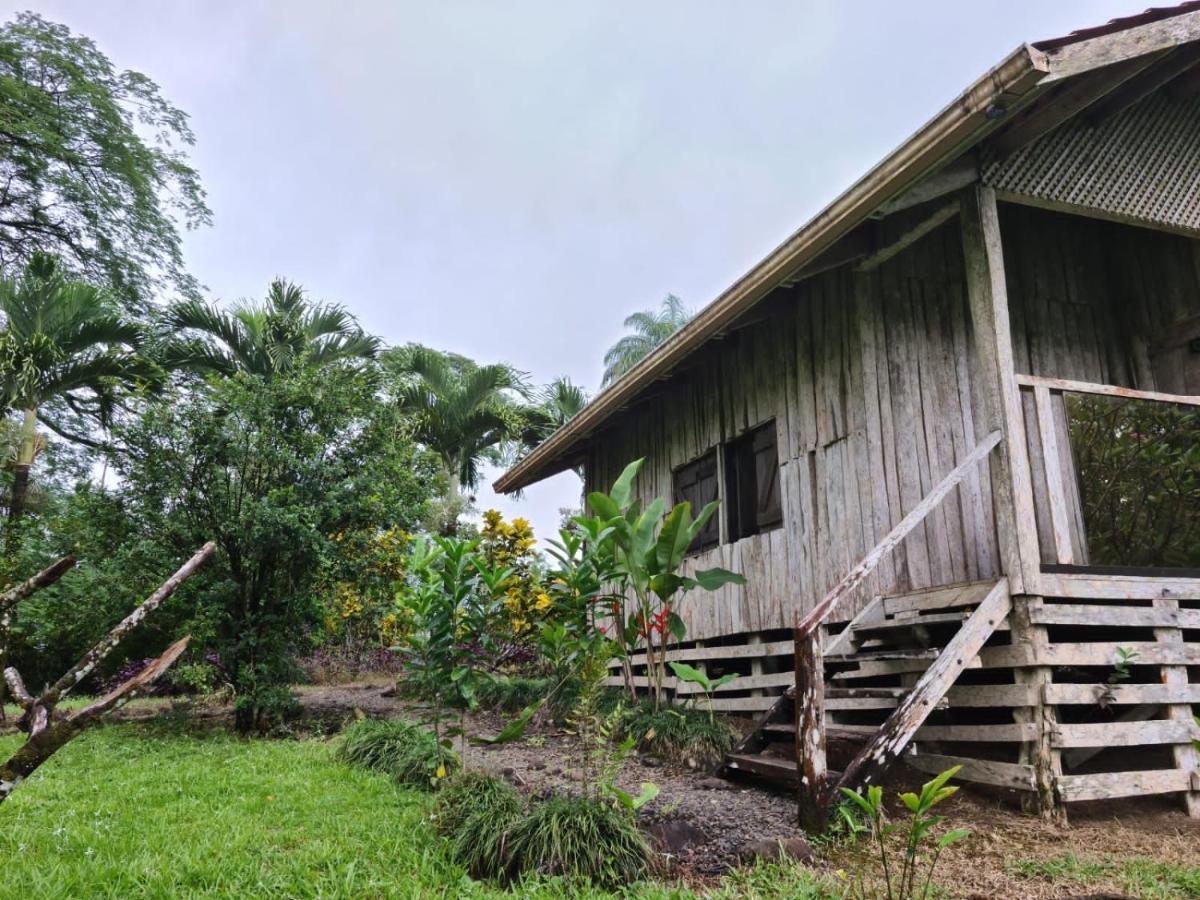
(510,179)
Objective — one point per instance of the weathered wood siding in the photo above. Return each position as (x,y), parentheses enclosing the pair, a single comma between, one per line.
(868,379)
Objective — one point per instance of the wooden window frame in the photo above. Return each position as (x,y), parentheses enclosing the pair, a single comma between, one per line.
(750,508)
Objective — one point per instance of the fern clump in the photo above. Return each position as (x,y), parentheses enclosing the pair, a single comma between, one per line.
(580,837)
(685,736)
(403,750)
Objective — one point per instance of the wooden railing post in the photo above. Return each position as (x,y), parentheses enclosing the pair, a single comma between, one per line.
(810,726)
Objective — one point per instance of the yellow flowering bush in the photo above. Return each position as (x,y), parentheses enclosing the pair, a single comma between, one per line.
(511,545)
(359,586)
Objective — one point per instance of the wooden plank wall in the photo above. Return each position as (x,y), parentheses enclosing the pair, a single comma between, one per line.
(868,379)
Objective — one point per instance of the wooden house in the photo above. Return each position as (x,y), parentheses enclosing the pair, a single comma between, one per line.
(942,417)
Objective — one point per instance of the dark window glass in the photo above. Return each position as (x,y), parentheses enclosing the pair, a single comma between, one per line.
(752,483)
(697,483)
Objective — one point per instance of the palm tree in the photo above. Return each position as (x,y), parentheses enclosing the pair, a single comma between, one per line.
(553,406)
(650,328)
(464,412)
(61,340)
(284,333)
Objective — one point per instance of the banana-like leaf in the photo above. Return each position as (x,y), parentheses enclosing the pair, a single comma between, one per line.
(684,672)
(515,729)
(603,505)
(702,519)
(623,486)
(711,579)
(674,538)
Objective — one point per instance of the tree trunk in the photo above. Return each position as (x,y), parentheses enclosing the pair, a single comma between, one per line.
(24,461)
(12,534)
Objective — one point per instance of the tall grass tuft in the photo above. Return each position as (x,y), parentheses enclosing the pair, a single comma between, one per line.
(578,837)
(407,752)
(474,812)
(685,736)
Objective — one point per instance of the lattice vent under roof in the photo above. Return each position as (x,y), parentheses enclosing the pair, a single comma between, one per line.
(1142,164)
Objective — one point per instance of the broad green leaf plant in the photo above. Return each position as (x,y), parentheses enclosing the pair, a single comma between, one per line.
(904,884)
(692,675)
(648,550)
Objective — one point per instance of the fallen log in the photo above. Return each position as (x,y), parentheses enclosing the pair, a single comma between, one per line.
(48,731)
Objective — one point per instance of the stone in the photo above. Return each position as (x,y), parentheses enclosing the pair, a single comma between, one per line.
(675,835)
(509,774)
(715,784)
(776,849)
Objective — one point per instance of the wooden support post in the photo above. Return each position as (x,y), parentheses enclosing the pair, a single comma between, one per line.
(1187,757)
(1039,753)
(756,663)
(995,388)
(810,728)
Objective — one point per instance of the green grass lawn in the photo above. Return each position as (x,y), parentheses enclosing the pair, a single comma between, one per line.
(127,811)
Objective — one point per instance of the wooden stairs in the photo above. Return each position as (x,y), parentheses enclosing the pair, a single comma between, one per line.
(879,681)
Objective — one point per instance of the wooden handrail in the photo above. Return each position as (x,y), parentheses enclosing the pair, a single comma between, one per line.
(1109,390)
(867,564)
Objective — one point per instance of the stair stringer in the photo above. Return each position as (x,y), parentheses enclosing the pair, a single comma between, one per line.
(897,732)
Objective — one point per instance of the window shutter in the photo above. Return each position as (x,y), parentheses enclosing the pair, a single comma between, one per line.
(696,483)
(767,509)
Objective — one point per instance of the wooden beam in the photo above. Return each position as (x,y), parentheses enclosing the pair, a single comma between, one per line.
(1164,70)
(854,246)
(1106,785)
(1093,212)
(954,177)
(1108,390)
(1078,57)
(1116,587)
(932,222)
(1064,103)
(1056,491)
(998,396)
(978,771)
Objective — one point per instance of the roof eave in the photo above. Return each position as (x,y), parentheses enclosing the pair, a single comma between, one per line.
(962,123)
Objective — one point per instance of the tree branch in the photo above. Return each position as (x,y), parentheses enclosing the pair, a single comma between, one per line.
(96,655)
(42,579)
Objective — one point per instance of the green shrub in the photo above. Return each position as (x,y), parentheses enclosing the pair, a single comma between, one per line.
(474,812)
(264,708)
(684,736)
(407,752)
(512,693)
(578,837)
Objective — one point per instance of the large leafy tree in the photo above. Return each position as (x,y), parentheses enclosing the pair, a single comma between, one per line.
(272,469)
(63,340)
(649,329)
(283,334)
(464,412)
(92,164)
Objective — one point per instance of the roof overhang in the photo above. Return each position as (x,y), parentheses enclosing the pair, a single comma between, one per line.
(984,107)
